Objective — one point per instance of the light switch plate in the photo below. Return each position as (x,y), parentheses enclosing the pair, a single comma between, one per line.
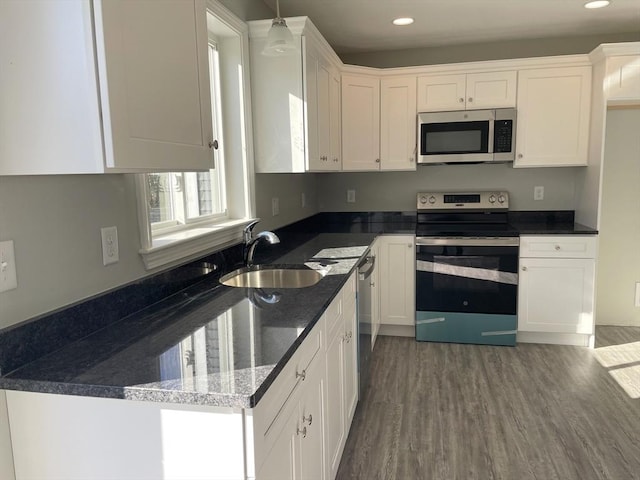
(8,277)
(110,252)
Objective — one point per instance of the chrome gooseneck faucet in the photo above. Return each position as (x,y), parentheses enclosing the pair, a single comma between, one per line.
(251,242)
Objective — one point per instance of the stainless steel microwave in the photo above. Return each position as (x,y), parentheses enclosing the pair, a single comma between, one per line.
(467,136)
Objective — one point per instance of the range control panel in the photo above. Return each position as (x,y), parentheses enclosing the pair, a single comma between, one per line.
(463,201)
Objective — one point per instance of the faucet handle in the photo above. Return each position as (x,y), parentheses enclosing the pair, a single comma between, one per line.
(249,228)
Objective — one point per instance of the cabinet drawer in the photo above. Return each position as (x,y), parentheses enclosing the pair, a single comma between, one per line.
(333,315)
(557,246)
(288,380)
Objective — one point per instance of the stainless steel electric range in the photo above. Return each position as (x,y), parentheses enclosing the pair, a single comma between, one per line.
(466,269)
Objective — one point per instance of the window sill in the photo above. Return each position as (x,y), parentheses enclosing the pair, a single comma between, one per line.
(175,247)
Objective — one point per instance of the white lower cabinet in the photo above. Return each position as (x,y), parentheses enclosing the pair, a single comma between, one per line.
(396,261)
(298,449)
(556,288)
(342,375)
(297,430)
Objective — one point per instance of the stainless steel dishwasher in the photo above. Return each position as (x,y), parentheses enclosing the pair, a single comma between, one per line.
(365,309)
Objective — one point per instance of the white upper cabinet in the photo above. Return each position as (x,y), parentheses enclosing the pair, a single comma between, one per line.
(294,102)
(622,80)
(398,126)
(467,91)
(93,87)
(553,117)
(360,122)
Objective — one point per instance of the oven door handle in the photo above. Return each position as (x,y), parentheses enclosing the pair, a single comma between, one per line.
(473,242)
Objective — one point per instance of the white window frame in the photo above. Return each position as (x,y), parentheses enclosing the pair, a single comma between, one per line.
(172,246)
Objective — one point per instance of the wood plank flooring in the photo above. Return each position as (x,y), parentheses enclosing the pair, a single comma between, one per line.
(441,411)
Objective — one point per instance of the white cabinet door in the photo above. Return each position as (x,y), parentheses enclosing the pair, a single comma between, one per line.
(154,84)
(360,122)
(350,362)
(396,266)
(313,94)
(398,124)
(311,418)
(467,91)
(441,92)
(324,156)
(491,90)
(556,295)
(553,117)
(283,461)
(375,294)
(335,431)
(335,120)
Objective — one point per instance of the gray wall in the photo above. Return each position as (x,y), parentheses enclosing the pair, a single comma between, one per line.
(393,191)
(55,224)
(288,188)
(485,51)
(249,9)
(619,248)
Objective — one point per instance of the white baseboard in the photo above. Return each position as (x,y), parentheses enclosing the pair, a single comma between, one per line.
(397,330)
(576,339)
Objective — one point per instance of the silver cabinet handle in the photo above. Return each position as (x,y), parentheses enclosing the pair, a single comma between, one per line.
(470,99)
(520,155)
(557,247)
(303,432)
(302,374)
(524,269)
(377,160)
(308,420)
(411,159)
(461,100)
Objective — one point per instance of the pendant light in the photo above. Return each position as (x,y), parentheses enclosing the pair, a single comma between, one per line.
(279,39)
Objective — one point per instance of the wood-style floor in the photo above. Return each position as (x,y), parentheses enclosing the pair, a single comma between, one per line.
(456,412)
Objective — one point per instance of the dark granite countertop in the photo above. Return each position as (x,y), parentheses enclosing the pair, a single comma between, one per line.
(200,342)
(207,344)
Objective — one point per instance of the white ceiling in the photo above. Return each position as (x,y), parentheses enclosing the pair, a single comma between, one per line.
(352,26)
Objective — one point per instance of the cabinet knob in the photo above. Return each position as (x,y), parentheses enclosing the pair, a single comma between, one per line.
(335,159)
(410,159)
(302,432)
(524,269)
(470,99)
(520,155)
(308,420)
(557,247)
(214,144)
(461,100)
(301,374)
(377,160)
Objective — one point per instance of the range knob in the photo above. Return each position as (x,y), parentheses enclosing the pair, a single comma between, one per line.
(492,198)
(432,199)
(502,198)
(423,199)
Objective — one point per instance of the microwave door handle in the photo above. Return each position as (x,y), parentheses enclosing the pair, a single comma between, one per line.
(492,124)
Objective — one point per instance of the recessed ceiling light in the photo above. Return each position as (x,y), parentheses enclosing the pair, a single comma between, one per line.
(597,4)
(403,21)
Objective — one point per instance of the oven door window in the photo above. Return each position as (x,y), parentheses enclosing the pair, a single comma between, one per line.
(454,138)
(467,279)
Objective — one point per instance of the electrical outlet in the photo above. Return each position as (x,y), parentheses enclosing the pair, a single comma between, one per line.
(8,278)
(538,193)
(275,206)
(110,252)
(637,303)
(351,196)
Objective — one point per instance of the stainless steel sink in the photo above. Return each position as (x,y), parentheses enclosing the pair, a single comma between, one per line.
(272,277)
